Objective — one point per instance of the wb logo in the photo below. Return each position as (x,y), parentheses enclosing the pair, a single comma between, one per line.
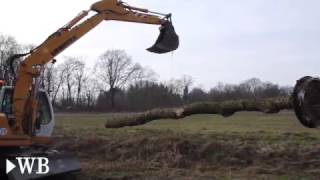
(26,165)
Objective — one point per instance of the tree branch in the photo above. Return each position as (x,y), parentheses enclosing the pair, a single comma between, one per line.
(225,109)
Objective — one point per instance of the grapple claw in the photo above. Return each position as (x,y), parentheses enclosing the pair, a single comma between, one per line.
(306,101)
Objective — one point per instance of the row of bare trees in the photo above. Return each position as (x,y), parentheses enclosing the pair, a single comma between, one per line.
(73,86)
(120,85)
(117,83)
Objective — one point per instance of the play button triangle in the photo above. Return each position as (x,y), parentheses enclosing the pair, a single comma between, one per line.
(9,166)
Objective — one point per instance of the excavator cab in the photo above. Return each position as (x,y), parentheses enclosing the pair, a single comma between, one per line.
(45,115)
(59,162)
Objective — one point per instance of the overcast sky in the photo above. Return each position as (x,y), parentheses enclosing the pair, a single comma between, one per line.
(221,40)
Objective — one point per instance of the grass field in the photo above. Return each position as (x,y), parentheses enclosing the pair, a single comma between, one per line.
(244,146)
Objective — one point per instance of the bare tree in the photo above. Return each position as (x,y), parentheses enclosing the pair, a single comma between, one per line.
(70,78)
(91,89)
(80,76)
(181,86)
(175,86)
(146,74)
(58,81)
(68,75)
(187,81)
(8,47)
(115,69)
(47,80)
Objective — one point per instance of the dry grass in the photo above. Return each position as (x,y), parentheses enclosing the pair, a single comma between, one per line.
(245,146)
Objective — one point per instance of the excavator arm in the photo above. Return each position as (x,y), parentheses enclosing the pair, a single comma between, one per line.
(24,99)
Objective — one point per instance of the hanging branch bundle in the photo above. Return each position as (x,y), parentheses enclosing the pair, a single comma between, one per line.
(226,109)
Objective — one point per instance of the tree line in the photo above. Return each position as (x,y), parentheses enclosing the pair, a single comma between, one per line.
(116,83)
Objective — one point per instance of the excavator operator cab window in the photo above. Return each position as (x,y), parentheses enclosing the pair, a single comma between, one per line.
(44,115)
(6,105)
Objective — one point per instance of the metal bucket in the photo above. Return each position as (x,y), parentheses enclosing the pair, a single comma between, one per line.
(306,101)
(167,41)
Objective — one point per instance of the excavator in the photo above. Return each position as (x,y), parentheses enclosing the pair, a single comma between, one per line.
(26,113)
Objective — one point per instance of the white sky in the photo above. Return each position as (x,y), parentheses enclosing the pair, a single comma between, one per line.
(221,40)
